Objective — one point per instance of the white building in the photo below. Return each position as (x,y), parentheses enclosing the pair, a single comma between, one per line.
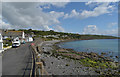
(23,35)
(13,34)
(1,43)
(29,39)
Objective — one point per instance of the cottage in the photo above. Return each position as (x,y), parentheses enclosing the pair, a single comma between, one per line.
(13,34)
(1,43)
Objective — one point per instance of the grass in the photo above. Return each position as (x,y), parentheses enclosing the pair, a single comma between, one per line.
(6,47)
(96,64)
(92,63)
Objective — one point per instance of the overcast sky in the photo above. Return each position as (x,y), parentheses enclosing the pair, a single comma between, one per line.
(74,17)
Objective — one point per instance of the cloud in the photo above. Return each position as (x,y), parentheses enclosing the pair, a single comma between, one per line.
(4,25)
(28,15)
(0,8)
(36,0)
(59,28)
(90,29)
(59,4)
(92,1)
(37,4)
(111,32)
(112,24)
(0,11)
(93,29)
(46,7)
(74,13)
(102,8)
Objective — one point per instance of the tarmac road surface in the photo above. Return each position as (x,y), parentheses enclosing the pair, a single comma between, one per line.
(17,61)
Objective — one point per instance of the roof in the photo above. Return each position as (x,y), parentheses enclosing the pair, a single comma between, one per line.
(12,33)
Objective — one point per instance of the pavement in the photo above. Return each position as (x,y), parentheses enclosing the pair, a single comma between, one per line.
(17,61)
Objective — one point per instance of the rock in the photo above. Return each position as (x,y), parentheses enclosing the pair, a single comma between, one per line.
(90,68)
(67,65)
(63,71)
(43,61)
(48,67)
(111,56)
(51,62)
(82,57)
(116,56)
(97,71)
(113,64)
(46,52)
(101,56)
(108,59)
(86,55)
(103,53)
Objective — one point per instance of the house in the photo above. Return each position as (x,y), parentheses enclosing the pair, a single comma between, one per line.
(1,43)
(13,34)
(29,39)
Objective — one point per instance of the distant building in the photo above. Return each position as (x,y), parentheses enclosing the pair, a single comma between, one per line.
(64,36)
(54,36)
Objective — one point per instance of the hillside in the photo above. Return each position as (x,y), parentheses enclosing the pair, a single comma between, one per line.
(61,35)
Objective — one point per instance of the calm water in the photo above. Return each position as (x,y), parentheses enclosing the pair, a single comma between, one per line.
(98,46)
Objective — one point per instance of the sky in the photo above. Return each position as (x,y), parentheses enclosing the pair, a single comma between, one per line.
(99,18)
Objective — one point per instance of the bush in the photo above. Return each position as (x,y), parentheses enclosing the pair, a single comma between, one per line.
(7,44)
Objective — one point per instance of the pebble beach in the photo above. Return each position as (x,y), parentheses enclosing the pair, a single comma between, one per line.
(62,65)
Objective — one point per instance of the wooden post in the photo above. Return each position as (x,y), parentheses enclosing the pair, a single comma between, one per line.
(40,65)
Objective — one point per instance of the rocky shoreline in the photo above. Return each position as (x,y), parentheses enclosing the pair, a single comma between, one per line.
(60,61)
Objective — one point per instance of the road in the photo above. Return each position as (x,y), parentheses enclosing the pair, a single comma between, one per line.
(17,61)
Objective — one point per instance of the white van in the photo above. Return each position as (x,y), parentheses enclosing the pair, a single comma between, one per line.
(16,42)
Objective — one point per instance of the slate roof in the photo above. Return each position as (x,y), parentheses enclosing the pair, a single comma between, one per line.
(12,33)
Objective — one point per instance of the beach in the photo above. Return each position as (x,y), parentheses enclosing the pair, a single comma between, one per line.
(60,65)
(59,61)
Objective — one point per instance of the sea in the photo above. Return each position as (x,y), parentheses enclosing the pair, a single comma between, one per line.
(109,46)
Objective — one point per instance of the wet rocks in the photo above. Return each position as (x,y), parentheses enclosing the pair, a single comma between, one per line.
(116,56)
(103,53)
(69,62)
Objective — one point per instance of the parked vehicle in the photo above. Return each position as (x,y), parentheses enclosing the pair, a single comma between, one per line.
(16,42)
